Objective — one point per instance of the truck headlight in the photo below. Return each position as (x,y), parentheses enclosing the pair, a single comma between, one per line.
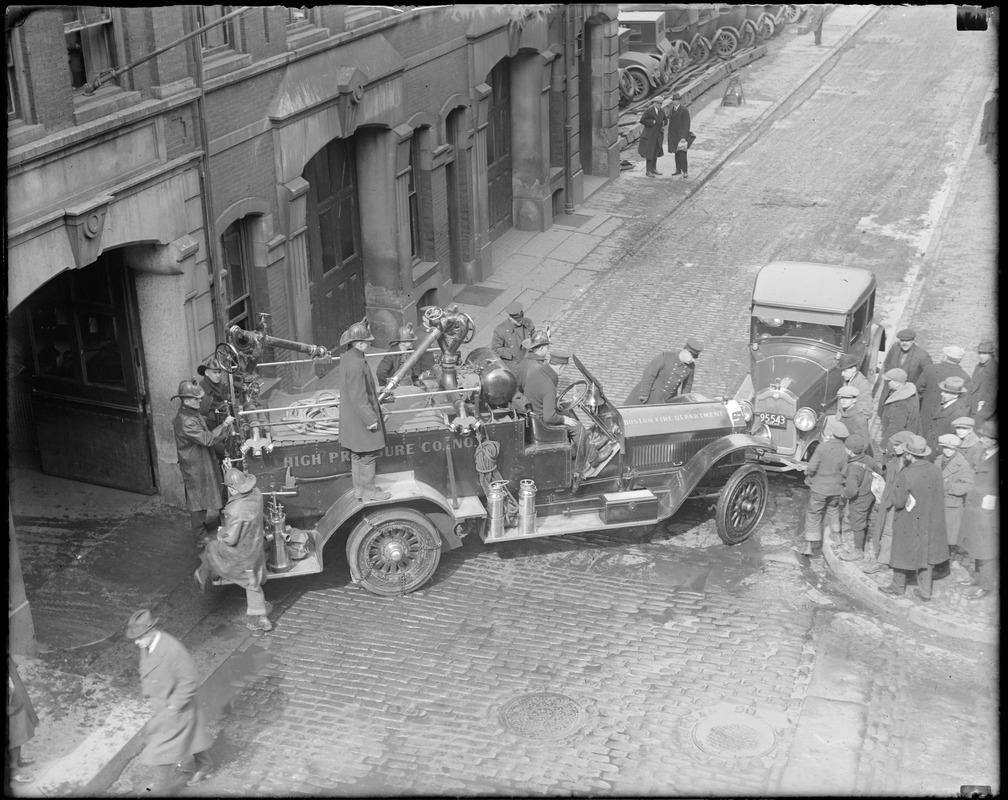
(747,410)
(805,419)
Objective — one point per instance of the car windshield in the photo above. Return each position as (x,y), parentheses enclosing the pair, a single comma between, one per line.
(764,328)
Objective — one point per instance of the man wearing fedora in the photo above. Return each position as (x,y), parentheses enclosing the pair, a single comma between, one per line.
(953,403)
(391,362)
(680,137)
(906,355)
(854,378)
(933,374)
(237,553)
(509,335)
(169,681)
(984,384)
(361,421)
(201,473)
(981,525)
(900,411)
(919,537)
(667,375)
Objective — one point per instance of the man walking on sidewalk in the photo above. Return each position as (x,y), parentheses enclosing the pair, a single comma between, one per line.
(169,682)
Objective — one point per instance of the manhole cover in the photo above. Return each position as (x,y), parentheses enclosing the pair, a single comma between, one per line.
(734,736)
(544,715)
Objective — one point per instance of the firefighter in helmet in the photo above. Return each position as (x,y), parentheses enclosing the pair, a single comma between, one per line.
(361,427)
(214,405)
(389,364)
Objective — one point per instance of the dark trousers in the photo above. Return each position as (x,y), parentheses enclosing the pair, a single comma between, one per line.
(818,505)
(167,779)
(680,162)
(924,579)
(651,164)
(858,510)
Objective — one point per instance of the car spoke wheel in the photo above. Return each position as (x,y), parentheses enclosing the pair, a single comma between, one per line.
(748,34)
(725,43)
(741,504)
(626,85)
(792,13)
(700,51)
(767,28)
(641,85)
(396,551)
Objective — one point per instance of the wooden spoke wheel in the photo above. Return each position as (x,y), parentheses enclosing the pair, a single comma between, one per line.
(741,504)
(641,84)
(726,42)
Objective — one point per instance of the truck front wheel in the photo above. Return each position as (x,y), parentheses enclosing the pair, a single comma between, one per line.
(395,551)
(741,504)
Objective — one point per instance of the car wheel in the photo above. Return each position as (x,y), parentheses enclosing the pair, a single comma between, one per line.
(726,42)
(395,550)
(748,34)
(792,13)
(741,504)
(767,28)
(699,51)
(641,84)
(626,86)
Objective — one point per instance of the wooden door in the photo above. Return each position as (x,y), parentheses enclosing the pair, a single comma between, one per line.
(499,151)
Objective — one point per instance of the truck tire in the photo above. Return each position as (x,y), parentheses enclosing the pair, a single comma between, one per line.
(741,504)
(396,550)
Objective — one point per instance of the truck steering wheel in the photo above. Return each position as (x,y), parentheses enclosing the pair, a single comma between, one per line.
(563,406)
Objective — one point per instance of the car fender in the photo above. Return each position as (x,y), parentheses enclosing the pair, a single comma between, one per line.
(649,63)
(705,458)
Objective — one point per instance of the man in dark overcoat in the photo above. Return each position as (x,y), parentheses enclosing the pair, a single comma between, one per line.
(880,548)
(21,723)
(957,479)
(900,411)
(679,135)
(984,383)
(931,377)
(650,144)
(953,403)
(509,335)
(391,362)
(361,424)
(919,537)
(981,525)
(237,553)
(667,375)
(906,355)
(201,473)
(169,681)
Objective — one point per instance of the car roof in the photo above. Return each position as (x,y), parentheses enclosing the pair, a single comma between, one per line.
(803,284)
(640,16)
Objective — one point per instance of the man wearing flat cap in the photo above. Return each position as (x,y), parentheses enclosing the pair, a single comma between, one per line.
(957,480)
(984,384)
(906,355)
(848,413)
(919,540)
(509,335)
(969,443)
(953,403)
(668,375)
(853,377)
(981,525)
(880,549)
(934,374)
(201,473)
(236,554)
(824,475)
(900,411)
(169,682)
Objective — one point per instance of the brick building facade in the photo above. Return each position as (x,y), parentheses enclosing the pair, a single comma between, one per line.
(310,164)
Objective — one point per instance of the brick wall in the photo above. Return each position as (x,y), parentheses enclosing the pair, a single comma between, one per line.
(47,71)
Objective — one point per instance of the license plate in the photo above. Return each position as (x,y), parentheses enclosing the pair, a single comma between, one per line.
(773,420)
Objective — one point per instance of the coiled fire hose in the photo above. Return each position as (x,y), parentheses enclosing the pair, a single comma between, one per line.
(324,419)
(486,465)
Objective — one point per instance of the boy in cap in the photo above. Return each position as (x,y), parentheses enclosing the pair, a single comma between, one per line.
(981,525)
(824,476)
(852,377)
(984,384)
(969,443)
(849,414)
(509,335)
(879,549)
(201,473)
(858,494)
(668,375)
(957,480)
(908,356)
(900,411)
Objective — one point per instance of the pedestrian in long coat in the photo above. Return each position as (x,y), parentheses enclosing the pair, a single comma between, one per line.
(901,409)
(509,335)
(361,423)
(237,554)
(981,525)
(668,374)
(201,472)
(649,146)
(169,681)
(953,404)
(919,536)
(880,549)
(984,384)
(928,384)
(906,355)
(680,137)
(957,479)
(21,723)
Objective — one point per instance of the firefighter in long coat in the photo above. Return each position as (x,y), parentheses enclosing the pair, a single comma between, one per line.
(906,355)
(213,405)
(361,425)
(957,478)
(919,539)
(391,363)
(237,554)
(901,408)
(201,474)
(667,375)
(981,525)
(169,681)
(509,335)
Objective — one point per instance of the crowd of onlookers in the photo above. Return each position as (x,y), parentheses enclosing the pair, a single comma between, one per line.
(931,477)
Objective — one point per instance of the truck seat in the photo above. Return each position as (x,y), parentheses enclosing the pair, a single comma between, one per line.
(546,434)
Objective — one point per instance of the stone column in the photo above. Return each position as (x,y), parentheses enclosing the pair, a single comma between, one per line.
(530,83)
(478,163)
(294,200)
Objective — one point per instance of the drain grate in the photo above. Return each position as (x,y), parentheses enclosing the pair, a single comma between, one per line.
(729,735)
(543,715)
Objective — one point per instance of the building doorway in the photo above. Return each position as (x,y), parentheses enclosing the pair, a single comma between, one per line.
(498,140)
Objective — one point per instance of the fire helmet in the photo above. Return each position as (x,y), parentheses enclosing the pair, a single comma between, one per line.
(537,339)
(211,363)
(405,334)
(190,388)
(239,480)
(358,332)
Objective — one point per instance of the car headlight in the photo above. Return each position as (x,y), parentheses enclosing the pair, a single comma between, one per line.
(747,410)
(805,419)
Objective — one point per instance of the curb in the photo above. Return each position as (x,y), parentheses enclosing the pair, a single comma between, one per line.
(865,590)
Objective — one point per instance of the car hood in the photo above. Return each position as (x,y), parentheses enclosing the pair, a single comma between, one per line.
(809,373)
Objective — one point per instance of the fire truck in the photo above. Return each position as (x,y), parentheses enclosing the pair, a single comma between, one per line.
(461,458)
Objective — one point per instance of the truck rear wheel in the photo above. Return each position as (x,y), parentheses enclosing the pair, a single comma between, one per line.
(395,550)
(741,504)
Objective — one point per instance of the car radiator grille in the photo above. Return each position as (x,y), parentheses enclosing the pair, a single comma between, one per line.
(784,439)
(662,454)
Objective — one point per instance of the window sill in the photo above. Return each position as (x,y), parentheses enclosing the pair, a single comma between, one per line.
(224,63)
(106,100)
(423,270)
(305,35)
(20,133)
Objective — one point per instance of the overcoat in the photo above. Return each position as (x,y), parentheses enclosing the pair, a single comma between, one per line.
(525,366)
(973,449)
(650,144)
(981,527)
(237,554)
(912,362)
(930,394)
(168,677)
(824,473)
(678,126)
(919,537)
(359,405)
(201,474)
(213,397)
(508,337)
(957,478)
(391,363)
(541,390)
(664,378)
(856,422)
(901,412)
(21,716)
(983,390)
(940,422)
(893,467)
